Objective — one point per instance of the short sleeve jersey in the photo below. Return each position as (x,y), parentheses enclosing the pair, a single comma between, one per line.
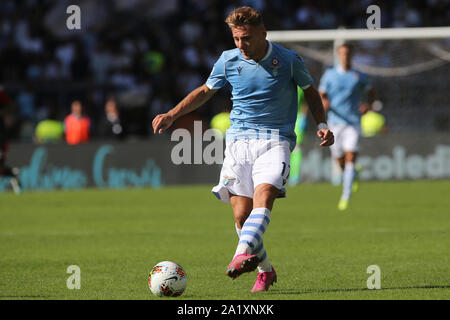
(264,93)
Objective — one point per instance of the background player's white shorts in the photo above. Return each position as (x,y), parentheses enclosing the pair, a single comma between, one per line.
(346,139)
(251,162)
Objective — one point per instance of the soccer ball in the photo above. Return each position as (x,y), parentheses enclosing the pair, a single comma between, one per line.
(168,279)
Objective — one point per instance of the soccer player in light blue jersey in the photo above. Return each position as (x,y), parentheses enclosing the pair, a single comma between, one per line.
(341,89)
(263,77)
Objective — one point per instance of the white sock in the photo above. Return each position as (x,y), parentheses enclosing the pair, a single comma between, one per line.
(253,230)
(348,177)
(264,263)
(238,230)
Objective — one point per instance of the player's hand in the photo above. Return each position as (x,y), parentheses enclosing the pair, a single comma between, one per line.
(363,108)
(326,136)
(161,123)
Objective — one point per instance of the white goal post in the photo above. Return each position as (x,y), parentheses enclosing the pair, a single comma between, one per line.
(409,66)
(440,54)
(358,34)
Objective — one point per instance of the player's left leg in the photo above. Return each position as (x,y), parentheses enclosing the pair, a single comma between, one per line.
(270,173)
(236,187)
(251,228)
(242,207)
(265,195)
(350,136)
(349,174)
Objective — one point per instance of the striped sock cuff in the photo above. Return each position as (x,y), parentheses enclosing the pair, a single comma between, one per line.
(254,228)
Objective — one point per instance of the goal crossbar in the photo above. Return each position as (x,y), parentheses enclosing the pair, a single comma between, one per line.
(359,34)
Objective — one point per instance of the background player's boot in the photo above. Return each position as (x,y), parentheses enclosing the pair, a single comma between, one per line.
(355,185)
(343,204)
(242,263)
(15,183)
(264,280)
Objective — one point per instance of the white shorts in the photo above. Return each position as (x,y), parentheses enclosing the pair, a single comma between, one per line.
(346,139)
(251,162)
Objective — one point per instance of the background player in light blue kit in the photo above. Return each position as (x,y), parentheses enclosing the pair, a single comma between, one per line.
(341,89)
(263,77)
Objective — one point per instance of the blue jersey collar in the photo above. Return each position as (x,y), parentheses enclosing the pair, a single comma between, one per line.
(269,51)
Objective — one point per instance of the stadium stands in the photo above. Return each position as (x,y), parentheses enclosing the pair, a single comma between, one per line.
(149,54)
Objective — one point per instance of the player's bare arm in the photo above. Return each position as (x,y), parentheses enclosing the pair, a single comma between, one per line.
(325,100)
(192,101)
(317,110)
(371,97)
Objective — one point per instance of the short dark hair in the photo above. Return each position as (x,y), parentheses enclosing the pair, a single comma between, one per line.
(347,45)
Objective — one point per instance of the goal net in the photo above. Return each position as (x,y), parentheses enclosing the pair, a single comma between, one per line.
(409,67)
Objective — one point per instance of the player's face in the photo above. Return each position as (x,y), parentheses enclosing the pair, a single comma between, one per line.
(77,108)
(111,107)
(345,57)
(251,40)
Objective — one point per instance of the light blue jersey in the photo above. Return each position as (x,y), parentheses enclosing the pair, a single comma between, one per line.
(344,90)
(264,93)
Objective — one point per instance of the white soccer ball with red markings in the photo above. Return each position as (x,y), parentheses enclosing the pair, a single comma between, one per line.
(167,279)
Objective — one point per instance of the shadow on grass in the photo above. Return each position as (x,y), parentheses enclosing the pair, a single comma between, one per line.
(292,291)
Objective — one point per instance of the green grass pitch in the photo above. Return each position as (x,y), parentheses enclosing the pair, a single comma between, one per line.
(116,236)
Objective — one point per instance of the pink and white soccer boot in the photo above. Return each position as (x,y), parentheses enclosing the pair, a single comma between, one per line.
(264,280)
(242,263)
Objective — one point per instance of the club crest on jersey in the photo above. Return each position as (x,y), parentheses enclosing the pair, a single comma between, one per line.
(239,69)
(275,66)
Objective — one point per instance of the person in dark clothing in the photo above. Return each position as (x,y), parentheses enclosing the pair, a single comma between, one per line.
(5,171)
(111,125)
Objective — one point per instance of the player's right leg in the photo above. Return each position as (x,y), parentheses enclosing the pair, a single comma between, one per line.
(269,175)
(337,154)
(350,144)
(256,225)
(348,178)
(236,187)
(242,208)
(247,261)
